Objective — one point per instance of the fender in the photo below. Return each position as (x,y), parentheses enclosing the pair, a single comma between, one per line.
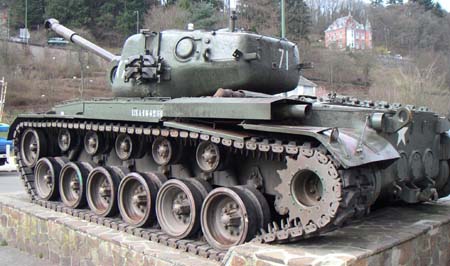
(347,145)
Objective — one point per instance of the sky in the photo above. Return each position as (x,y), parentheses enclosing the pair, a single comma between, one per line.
(444,3)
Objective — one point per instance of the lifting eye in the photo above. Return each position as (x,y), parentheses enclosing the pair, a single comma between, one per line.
(207,54)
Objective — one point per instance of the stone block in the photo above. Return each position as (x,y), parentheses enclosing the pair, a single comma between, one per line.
(238,261)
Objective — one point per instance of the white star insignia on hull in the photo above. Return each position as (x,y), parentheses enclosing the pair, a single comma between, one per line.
(402,136)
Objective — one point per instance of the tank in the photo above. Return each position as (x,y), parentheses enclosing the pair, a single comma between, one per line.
(197,153)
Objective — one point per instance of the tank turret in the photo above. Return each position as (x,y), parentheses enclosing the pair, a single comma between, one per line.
(180,63)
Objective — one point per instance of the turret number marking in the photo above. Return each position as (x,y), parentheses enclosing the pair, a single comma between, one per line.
(283,53)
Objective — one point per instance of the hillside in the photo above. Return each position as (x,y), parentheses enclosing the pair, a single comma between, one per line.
(417,32)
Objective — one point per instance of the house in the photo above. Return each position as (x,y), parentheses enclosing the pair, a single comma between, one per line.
(230,4)
(3,21)
(346,32)
(304,87)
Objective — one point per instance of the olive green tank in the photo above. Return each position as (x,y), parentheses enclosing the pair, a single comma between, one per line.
(196,153)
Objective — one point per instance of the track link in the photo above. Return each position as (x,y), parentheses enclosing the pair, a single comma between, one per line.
(354,203)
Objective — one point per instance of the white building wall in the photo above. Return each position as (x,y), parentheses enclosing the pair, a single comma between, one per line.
(301,90)
(227,4)
(350,38)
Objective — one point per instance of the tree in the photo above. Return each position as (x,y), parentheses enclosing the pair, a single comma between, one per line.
(35,13)
(438,11)
(427,4)
(298,19)
(261,16)
(74,13)
(204,15)
(377,2)
(156,18)
(118,15)
(395,2)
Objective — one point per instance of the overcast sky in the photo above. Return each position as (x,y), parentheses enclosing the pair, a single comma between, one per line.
(444,3)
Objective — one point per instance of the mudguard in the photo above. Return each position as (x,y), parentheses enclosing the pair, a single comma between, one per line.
(349,146)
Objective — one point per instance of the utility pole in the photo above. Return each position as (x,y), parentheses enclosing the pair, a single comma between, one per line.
(82,65)
(26,20)
(137,20)
(9,24)
(3,88)
(26,13)
(283,20)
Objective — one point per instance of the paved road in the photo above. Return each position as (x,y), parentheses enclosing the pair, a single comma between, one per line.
(9,256)
(10,181)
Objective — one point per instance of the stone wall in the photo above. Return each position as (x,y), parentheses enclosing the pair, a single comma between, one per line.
(69,241)
(406,235)
(410,235)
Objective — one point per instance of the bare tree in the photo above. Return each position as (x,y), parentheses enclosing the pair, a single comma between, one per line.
(414,85)
(166,17)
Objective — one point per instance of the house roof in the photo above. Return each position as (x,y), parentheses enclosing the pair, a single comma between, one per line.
(306,83)
(342,22)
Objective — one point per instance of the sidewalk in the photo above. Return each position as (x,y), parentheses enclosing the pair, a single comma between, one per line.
(13,257)
(9,256)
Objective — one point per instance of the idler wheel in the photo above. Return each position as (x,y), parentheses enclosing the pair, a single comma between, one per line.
(46,177)
(125,146)
(165,151)
(137,197)
(209,156)
(72,184)
(94,143)
(310,189)
(102,187)
(178,206)
(65,140)
(232,216)
(32,146)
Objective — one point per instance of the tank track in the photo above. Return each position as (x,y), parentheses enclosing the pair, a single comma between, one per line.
(358,188)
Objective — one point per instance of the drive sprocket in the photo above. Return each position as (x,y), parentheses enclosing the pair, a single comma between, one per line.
(310,189)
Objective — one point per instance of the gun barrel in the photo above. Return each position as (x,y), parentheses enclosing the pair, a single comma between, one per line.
(72,36)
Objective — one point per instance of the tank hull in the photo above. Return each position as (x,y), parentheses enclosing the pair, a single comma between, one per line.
(306,172)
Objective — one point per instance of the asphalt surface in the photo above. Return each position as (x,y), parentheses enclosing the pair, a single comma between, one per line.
(10,183)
